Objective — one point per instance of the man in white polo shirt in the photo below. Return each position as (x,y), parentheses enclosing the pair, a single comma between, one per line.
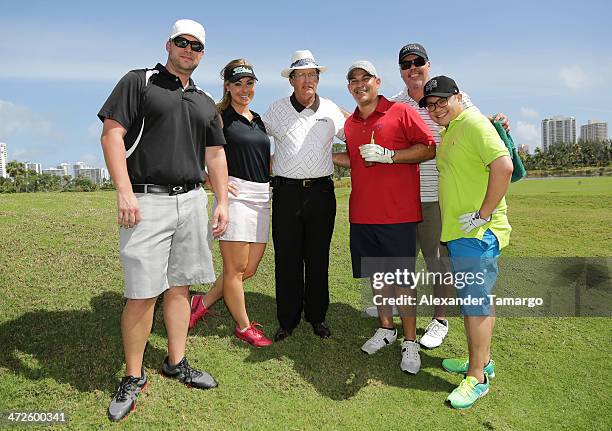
(414,69)
(304,204)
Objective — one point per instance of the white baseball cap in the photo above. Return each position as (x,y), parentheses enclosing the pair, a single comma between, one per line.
(189,27)
(362,64)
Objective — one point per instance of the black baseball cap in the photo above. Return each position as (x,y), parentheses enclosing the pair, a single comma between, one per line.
(440,86)
(413,48)
(236,73)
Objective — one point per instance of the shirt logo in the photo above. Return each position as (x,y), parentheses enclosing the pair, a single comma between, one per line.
(322,119)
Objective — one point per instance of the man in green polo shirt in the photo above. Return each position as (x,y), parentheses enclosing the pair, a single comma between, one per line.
(475,171)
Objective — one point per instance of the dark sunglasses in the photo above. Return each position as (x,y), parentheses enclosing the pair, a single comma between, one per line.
(417,62)
(181,42)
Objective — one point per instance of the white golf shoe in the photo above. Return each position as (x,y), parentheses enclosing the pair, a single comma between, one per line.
(381,338)
(411,360)
(434,335)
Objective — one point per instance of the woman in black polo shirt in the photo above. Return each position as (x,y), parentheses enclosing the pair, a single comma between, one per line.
(248,164)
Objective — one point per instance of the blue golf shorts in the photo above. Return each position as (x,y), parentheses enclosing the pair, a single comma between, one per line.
(474,266)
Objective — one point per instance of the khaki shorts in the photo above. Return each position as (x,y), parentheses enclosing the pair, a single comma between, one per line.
(428,238)
(169,247)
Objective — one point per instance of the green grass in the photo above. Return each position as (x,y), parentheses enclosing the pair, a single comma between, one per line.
(60,345)
(561,217)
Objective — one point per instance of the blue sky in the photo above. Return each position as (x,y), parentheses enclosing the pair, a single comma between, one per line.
(531,60)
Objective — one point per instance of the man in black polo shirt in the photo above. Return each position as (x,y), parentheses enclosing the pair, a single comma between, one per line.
(159,128)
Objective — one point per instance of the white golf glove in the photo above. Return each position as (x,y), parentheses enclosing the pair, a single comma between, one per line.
(471,221)
(376,153)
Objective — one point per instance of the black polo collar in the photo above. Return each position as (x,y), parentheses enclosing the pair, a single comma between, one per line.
(231,114)
(166,74)
(299,107)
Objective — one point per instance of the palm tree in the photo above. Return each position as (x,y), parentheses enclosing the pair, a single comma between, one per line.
(15,168)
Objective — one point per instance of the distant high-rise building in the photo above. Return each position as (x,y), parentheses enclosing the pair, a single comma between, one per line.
(36,167)
(94,174)
(58,172)
(594,131)
(67,168)
(3,160)
(558,130)
(524,148)
(77,167)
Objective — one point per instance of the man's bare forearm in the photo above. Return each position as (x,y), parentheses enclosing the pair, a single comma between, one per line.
(341,159)
(113,148)
(415,154)
(217,172)
(500,173)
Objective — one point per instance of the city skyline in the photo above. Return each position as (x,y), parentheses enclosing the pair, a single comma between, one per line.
(527,64)
(72,170)
(592,130)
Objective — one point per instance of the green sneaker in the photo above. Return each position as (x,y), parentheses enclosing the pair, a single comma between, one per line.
(460,366)
(468,391)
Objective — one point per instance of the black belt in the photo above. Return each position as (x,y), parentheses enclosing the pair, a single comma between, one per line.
(170,189)
(305,182)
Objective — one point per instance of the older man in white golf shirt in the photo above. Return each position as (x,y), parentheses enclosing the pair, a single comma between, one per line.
(304,204)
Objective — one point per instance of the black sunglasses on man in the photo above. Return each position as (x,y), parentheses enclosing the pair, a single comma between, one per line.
(417,62)
(181,42)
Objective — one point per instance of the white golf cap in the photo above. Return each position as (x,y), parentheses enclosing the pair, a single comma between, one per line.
(362,64)
(189,27)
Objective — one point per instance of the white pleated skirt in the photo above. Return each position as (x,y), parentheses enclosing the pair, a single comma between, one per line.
(249,212)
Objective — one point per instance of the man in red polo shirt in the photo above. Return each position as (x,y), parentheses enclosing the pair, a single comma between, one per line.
(385,206)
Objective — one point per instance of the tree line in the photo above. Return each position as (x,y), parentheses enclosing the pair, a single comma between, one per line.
(559,156)
(580,155)
(22,180)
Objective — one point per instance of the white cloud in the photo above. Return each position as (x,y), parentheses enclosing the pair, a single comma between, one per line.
(15,119)
(527,133)
(98,53)
(529,112)
(65,69)
(94,130)
(31,153)
(31,136)
(574,77)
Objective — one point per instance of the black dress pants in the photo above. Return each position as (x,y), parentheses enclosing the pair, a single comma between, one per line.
(302,226)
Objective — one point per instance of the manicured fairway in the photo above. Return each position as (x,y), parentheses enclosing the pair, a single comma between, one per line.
(60,344)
